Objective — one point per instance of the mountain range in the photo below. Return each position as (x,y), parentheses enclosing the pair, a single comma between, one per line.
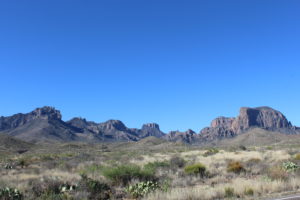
(46,124)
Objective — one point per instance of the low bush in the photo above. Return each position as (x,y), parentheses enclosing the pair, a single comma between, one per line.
(143,188)
(229,192)
(10,194)
(123,174)
(210,152)
(197,169)
(297,156)
(235,167)
(177,162)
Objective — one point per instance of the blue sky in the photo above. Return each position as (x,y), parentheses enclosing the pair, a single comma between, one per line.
(177,63)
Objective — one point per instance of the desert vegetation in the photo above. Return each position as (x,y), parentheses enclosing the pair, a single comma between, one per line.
(150,169)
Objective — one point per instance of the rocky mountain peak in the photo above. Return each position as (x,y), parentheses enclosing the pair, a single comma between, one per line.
(150,126)
(78,122)
(263,117)
(46,112)
(113,124)
(151,129)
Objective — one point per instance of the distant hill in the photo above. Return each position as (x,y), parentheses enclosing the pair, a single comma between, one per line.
(46,125)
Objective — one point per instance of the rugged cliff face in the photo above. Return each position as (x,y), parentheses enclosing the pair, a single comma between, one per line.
(261,117)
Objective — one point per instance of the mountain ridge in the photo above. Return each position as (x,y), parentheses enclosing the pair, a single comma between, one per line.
(46,124)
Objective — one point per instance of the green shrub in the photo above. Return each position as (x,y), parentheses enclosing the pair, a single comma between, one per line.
(229,192)
(210,152)
(123,174)
(10,194)
(290,166)
(249,192)
(143,188)
(235,167)
(198,169)
(177,162)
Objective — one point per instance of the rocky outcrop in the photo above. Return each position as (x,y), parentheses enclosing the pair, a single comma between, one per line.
(261,117)
(151,129)
(224,122)
(188,136)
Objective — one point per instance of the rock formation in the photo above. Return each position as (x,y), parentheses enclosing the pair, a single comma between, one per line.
(188,136)
(261,117)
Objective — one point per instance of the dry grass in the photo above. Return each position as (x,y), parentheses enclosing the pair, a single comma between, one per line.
(65,163)
(240,185)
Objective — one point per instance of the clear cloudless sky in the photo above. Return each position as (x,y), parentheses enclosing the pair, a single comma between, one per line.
(177,63)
